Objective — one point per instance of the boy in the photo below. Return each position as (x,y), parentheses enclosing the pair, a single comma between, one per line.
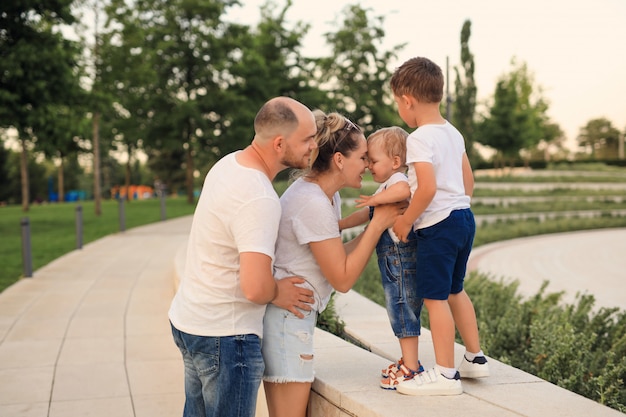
(442,183)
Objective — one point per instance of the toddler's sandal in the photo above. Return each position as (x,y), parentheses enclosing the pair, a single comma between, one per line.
(390,383)
(393,378)
(391,369)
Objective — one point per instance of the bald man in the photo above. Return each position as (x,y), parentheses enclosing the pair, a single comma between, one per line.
(217,312)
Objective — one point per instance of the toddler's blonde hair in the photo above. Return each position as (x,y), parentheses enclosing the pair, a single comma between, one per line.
(392,141)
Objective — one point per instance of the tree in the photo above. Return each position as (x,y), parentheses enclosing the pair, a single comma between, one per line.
(551,146)
(517,118)
(264,62)
(620,145)
(36,70)
(600,138)
(356,74)
(127,81)
(98,104)
(60,140)
(4,173)
(186,43)
(12,187)
(465,93)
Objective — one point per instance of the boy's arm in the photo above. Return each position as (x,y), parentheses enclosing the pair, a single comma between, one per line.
(395,193)
(468,176)
(424,194)
(357,218)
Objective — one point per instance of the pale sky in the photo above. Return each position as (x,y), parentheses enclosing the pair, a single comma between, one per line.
(575,49)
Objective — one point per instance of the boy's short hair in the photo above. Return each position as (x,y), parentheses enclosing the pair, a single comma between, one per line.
(392,141)
(420,78)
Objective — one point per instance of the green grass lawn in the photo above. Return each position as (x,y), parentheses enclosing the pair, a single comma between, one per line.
(53,228)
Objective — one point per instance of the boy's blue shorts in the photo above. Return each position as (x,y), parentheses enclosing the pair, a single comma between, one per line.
(443,250)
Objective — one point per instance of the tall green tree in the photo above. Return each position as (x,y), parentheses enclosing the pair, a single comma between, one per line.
(36,70)
(12,186)
(61,141)
(186,44)
(356,75)
(517,118)
(128,82)
(98,102)
(4,172)
(600,138)
(463,115)
(264,61)
(552,146)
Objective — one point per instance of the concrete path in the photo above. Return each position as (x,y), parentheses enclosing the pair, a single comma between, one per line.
(88,335)
(592,262)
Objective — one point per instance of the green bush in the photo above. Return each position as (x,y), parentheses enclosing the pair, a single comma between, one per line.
(572,345)
(328,319)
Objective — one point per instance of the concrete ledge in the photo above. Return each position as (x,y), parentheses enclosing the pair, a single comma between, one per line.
(347,376)
(507,392)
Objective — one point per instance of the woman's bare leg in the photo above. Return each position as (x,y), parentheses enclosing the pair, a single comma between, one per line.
(289,399)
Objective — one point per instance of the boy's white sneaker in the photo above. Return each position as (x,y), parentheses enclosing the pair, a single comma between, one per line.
(477,368)
(431,382)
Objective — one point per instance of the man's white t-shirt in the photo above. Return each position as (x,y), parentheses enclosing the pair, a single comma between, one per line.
(442,146)
(238,211)
(308,216)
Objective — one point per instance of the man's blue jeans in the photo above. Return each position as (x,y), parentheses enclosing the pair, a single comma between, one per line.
(222,374)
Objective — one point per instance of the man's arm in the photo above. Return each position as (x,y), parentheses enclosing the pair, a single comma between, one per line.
(259,286)
(256,278)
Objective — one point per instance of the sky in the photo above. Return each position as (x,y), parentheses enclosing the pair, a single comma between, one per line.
(576,50)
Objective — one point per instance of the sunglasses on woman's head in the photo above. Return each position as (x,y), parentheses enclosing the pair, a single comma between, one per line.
(345,132)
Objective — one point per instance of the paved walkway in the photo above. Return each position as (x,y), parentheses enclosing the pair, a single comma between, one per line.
(591,262)
(88,335)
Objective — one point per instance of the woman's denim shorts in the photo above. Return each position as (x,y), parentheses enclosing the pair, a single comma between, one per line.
(288,345)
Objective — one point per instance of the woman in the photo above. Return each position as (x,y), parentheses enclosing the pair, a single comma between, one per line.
(309,245)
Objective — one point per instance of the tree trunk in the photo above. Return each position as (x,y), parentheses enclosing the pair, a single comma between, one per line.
(61,179)
(24,175)
(97,193)
(129,196)
(189,175)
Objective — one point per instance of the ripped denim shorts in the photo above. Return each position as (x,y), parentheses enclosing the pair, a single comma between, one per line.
(287,345)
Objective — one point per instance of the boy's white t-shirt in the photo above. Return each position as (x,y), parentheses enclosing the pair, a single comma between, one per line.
(443,146)
(238,211)
(307,216)
(395,178)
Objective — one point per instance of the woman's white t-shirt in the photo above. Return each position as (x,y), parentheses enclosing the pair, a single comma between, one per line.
(307,216)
